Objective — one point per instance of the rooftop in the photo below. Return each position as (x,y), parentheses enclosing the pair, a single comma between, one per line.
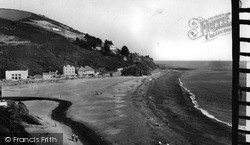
(86,68)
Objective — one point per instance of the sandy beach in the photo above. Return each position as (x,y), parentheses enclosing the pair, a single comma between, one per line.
(48,125)
(104,105)
(125,111)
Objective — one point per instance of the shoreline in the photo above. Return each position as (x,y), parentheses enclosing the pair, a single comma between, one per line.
(197,106)
(203,111)
(176,110)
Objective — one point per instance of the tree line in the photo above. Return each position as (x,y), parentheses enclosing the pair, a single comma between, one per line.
(91,43)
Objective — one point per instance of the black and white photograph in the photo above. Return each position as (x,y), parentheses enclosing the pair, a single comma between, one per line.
(124,72)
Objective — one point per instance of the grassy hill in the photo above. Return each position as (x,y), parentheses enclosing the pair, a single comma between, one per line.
(40,44)
(13,15)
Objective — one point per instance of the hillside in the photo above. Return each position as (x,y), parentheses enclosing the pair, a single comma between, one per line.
(13,119)
(35,42)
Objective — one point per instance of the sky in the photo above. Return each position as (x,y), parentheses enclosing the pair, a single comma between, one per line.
(158,28)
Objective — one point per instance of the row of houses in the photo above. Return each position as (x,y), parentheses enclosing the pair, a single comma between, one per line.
(68,72)
(71,71)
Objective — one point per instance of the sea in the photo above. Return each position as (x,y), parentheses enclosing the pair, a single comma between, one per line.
(209,84)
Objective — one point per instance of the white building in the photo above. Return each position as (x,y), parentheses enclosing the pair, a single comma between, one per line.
(16,75)
(98,48)
(125,58)
(114,49)
(69,70)
(50,75)
(85,71)
(47,76)
(119,69)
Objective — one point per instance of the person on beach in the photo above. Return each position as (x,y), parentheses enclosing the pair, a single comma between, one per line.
(76,138)
(73,137)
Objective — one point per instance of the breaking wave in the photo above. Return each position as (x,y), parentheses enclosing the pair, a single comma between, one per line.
(203,111)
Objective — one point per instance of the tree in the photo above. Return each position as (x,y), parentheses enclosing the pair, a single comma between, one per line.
(92,41)
(108,42)
(77,41)
(125,51)
(106,47)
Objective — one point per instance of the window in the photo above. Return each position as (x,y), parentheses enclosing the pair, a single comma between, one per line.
(13,78)
(13,75)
